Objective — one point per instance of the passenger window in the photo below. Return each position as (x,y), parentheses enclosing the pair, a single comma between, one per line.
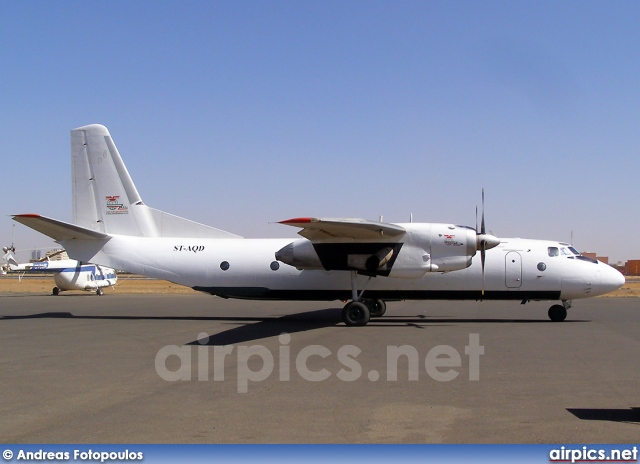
(553,251)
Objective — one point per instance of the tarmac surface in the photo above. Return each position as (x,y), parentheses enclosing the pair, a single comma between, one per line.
(78,368)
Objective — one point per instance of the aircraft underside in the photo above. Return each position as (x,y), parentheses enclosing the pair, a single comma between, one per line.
(358,311)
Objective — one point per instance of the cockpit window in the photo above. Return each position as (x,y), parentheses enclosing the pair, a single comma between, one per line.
(574,251)
(566,252)
(553,251)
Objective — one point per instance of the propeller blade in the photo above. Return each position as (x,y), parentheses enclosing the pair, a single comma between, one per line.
(476,219)
(482,230)
(482,257)
(484,240)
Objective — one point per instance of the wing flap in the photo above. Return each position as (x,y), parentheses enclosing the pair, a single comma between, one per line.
(319,229)
(57,230)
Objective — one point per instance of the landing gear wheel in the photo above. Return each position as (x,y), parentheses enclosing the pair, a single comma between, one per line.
(557,313)
(55,291)
(377,308)
(355,314)
(99,292)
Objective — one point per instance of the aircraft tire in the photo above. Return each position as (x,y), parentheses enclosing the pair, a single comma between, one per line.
(355,314)
(557,313)
(377,308)
(99,292)
(55,291)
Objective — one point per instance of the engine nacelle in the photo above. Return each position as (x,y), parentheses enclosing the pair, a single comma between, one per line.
(372,258)
(452,247)
(300,254)
(422,248)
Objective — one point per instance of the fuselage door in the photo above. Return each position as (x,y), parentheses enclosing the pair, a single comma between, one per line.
(513,269)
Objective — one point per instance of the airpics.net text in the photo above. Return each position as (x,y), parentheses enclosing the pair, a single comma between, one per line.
(256,363)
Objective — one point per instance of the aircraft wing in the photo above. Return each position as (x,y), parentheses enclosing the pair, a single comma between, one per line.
(318,229)
(57,230)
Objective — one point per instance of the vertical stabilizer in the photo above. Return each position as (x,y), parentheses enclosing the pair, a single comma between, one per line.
(106,200)
(104,196)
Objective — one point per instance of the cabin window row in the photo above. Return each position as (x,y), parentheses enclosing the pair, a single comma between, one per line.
(224,265)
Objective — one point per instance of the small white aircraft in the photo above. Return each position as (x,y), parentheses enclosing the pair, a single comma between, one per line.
(364,261)
(68,274)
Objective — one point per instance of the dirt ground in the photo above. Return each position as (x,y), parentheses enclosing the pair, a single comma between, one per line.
(135,284)
(126,284)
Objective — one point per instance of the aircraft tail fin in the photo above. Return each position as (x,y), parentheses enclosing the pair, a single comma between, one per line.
(11,261)
(106,200)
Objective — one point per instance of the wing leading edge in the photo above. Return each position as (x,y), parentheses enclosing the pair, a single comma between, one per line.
(319,229)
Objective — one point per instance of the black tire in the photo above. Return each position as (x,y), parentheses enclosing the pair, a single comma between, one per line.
(557,313)
(99,292)
(356,314)
(55,291)
(377,308)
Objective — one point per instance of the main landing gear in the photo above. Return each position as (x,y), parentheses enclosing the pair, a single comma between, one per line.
(358,311)
(558,313)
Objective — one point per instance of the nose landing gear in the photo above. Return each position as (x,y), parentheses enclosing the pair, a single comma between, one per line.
(558,313)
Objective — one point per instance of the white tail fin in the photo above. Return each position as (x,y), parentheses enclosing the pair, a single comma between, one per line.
(11,261)
(106,200)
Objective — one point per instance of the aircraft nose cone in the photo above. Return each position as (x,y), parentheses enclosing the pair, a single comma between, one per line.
(611,280)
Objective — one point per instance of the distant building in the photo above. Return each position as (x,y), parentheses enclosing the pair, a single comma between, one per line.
(589,254)
(52,255)
(57,255)
(632,268)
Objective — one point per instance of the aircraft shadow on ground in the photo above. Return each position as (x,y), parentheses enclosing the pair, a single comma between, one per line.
(248,329)
(630,415)
(274,326)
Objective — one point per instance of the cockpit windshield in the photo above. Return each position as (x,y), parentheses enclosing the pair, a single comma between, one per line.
(565,251)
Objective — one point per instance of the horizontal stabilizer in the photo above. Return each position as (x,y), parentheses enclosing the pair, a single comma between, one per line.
(58,230)
(317,229)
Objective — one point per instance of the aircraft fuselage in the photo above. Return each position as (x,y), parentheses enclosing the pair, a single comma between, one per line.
(517,269)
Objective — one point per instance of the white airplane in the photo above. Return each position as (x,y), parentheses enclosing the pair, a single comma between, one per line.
(68,274)
(363,261)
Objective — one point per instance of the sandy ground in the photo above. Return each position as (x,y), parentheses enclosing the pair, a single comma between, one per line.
(134,284)
(126,284)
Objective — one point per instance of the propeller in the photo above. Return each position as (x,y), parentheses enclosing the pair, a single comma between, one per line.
(484,241)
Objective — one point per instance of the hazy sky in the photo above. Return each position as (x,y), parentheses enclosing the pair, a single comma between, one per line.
(240,114)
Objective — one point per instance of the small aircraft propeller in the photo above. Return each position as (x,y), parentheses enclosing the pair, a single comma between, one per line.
(12,248)
(484,241)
